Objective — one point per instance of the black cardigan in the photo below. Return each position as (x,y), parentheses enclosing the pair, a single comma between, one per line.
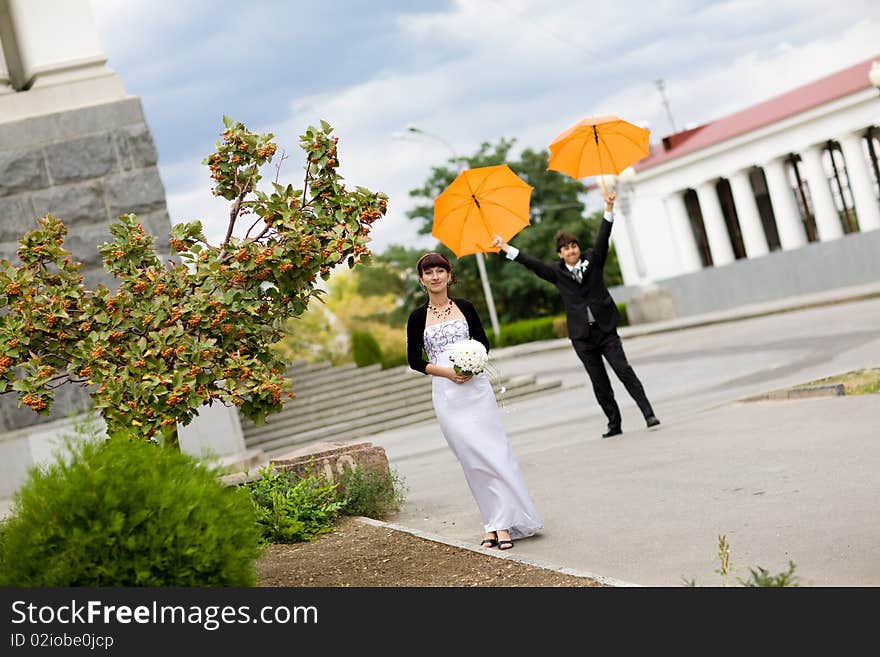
(415,332)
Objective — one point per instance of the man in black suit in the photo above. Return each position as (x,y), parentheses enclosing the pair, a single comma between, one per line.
(591,314)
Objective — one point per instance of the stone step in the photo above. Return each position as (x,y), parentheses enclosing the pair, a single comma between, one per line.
(356,395)
(301,367)
(384,422)
(320,377)
(342,382)
(353,397)
(396,423)
(285,422)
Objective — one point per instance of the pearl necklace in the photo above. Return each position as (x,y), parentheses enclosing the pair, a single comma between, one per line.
(441,313)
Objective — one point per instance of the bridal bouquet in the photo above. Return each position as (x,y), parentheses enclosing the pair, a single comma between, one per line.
(469,357)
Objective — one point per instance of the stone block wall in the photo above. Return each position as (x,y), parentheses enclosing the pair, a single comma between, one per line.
(86,166)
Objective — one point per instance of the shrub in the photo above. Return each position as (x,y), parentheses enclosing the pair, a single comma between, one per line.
(624,316)
(374,493)
(525,330)
(365,349)
(291,509)
(394,360)
(128,513)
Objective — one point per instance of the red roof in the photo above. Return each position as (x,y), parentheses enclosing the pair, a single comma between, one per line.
(843,83)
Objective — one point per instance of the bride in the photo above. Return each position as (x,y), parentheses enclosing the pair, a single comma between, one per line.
(466,409)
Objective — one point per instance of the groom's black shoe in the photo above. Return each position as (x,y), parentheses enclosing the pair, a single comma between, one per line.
(652,421)
(612,431)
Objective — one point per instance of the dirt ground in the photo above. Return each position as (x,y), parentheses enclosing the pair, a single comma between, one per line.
(359,554)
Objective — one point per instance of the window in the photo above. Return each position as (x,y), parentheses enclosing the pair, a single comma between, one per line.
(765,208)
(841,191)
(692,204)
(802,197)
(728,209)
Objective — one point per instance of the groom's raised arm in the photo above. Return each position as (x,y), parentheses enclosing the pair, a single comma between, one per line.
(600,248)
(541,268)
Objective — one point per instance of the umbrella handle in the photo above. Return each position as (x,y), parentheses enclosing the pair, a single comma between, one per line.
(602,185)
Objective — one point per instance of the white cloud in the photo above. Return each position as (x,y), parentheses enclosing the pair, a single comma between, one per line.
(471,72)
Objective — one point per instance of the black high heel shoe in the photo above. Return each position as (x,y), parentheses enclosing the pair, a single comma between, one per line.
(489,542)
(504,543)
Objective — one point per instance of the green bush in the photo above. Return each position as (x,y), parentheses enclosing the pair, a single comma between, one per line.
(128,513)
(291,509)
(624,317)
(365,350)
(374,493)
(525,330)
(540,328)
(394,360)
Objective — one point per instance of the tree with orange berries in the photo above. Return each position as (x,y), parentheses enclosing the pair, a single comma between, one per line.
(177,335)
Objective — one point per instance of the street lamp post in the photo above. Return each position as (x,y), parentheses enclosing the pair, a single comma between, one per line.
(481,264)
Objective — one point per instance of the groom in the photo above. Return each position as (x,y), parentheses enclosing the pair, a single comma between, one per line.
(591,314)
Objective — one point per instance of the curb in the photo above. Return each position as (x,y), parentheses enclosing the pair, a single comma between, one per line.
(606,581)
(801,392)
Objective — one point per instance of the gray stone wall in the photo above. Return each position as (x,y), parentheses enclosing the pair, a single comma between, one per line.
(85,166)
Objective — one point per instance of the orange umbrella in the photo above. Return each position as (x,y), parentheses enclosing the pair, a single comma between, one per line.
(478,204)
(598,145)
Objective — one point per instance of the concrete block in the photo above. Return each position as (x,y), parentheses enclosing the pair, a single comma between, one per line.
(81,159)
(140,191)
(215,432)
(95,275)
(99,118)
(651,303)
(83,240)
(22,171)
(29,134)
(15,460)
(136,147)
(75,204)
(331,459)
(17,216)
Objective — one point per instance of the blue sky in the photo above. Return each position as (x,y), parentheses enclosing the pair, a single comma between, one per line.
(467,71)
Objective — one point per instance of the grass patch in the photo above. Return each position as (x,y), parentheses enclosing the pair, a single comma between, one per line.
(858,382)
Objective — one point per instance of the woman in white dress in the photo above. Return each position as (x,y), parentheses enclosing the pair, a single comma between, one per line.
(466,409)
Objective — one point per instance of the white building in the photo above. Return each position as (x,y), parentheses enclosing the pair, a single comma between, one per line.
(731,211)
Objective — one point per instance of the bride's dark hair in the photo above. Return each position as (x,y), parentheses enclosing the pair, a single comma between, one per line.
(432,259)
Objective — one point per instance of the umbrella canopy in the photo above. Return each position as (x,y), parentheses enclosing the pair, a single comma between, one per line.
(598,145)
(478,204)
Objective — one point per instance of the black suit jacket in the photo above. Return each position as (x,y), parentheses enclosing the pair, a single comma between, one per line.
(590,292)
(415,332)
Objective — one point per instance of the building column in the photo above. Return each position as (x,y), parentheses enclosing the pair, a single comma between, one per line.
(788,219)
(827,218)
(57,42)
(749,218)
(713,219)
(5,78)
(682,233)
(861,183)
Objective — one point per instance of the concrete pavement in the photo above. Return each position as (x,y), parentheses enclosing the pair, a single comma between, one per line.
(782,480)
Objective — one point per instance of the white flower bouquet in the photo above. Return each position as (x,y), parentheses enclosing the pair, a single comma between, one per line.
(469,357)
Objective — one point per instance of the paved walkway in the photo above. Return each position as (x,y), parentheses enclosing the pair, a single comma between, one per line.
(782,480)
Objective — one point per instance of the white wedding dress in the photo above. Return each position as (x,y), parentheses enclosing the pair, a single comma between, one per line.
(471,424)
